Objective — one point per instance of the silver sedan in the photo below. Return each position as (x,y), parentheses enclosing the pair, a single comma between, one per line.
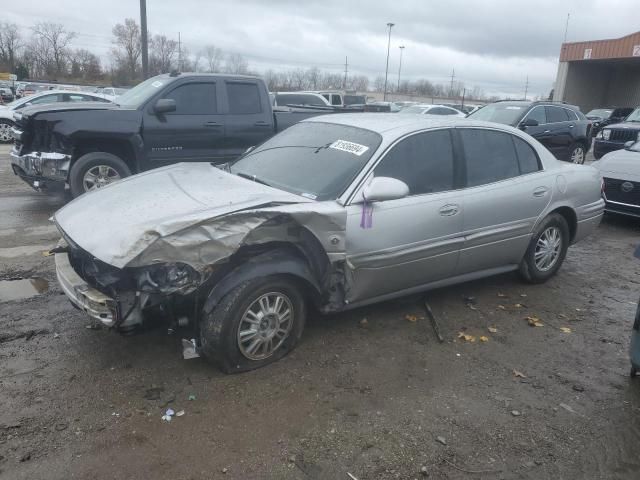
(335,212)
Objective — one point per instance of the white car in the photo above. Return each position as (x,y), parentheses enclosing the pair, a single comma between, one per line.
(50,96)
(434,110)
(620,172)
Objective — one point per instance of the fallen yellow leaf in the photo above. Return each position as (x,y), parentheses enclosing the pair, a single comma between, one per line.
(466,337)
(484,339)
(534,322)
(565,329)
(501,307)
(492,329)
(516,373)
(411,318)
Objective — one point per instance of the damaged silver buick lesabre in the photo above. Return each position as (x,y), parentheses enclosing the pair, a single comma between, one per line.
(333,213)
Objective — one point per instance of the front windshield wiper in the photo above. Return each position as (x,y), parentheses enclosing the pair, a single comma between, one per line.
(253,152)
(253,178)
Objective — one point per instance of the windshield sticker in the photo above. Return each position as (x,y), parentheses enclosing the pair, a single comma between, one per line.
(156,84)
(350,147)
(514,108)
(309,195)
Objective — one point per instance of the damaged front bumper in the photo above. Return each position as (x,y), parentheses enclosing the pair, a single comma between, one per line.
(41,169)
(95,303)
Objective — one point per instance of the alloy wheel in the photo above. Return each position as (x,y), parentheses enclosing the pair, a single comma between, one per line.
(265,325)
(5,132)
(548,249)
(99,176)
(577,155)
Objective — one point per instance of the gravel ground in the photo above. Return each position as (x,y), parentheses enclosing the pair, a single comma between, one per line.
(376,399)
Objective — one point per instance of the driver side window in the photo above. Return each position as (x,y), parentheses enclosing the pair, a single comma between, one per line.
(538,114)
(423,161)
(194,99)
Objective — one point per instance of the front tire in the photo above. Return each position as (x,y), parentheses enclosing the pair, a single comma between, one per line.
(96,170)
(547,250)
(5,131)
(255,324)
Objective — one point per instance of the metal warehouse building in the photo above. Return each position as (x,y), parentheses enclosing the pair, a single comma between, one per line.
(600,73)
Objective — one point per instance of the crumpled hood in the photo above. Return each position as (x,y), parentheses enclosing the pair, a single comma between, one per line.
(117,223)
(621,164)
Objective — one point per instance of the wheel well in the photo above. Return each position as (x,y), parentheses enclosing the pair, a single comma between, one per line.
(120,149)
(571,218)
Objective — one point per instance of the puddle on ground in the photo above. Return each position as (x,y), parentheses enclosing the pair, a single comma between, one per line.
(22,288)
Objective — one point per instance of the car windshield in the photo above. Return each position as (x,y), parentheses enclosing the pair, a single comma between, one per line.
(142,92)
(509,114)
(600,113)
(634,116)
(412,110)
(313,159)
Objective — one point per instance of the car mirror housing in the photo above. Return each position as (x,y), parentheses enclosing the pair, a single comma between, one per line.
(165,105)
(529,122)
(384,188)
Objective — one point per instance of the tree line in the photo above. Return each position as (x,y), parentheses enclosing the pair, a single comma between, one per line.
(46,53)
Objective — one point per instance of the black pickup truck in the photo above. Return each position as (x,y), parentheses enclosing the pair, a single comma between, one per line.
(166,119)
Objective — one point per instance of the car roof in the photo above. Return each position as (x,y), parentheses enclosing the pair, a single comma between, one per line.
(394,125)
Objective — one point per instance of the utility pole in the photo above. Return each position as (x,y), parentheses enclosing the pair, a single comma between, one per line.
(143,39)
(464,92)
(453,75)
(401,47)
(566,28)
(346,70)
(179,53)
(386,72)
(526,87)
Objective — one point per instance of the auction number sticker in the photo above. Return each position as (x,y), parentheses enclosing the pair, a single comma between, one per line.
(350,147)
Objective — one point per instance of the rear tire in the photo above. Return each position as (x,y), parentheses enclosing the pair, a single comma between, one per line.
(228,333)
(577,154)
(5,131)
(547,250)
(96,170)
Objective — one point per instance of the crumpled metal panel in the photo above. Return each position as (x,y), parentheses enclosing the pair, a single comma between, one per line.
(195,214)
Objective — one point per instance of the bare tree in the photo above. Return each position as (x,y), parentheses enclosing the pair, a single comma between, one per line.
(163,54)
(85,65)
(213,57)
(56,38)
(236,64)
(127,47)
(10,45)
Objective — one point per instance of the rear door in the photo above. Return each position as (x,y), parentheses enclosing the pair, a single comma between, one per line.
(506,192)
(193,133)
(414,240)
(249,119)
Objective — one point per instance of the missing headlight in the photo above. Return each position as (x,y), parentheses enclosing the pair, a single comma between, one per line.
(168,278)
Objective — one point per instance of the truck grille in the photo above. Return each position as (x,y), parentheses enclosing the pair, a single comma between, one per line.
(615,191)
(619,135)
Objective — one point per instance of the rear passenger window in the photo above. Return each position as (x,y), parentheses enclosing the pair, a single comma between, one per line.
(556,114)
(527,156)
(244,98)
(194,99)
(490,156)
(423,161)
(571,114)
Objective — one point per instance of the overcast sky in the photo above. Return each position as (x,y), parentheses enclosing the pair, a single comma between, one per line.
(494,44)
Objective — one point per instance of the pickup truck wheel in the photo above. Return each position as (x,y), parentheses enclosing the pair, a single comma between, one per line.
(5,131)
(255,324)
(96,170)
(547,249)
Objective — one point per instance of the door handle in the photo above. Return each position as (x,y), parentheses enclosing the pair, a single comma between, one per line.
(212,124)
(571,126)
(540,191)
(261,124)
(448,210)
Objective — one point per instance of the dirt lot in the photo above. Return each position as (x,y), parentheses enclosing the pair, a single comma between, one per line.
(376,399)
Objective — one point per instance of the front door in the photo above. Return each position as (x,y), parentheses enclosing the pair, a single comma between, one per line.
(414,240)
(506,193)
(193,133)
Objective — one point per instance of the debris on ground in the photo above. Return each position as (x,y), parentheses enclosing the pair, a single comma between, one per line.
(515,413)
(168,415)
(424,471)
(565,329)
(441,440)
(484,338)
(534,322)
(502,295)
(189,349)
(568,408)
(352,477)
(501,307)
(364,323)
(411,318)
(523,295)
(466,337)
(56,335)
(225,470)
(578,388)
(180,413)
(492,329)
(517,374)
(191,397)
(93,326)
(471,302)
(520,305)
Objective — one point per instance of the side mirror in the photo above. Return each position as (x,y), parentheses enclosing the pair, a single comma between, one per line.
(529,122)
(165,105)
(629,144)
(385,188)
